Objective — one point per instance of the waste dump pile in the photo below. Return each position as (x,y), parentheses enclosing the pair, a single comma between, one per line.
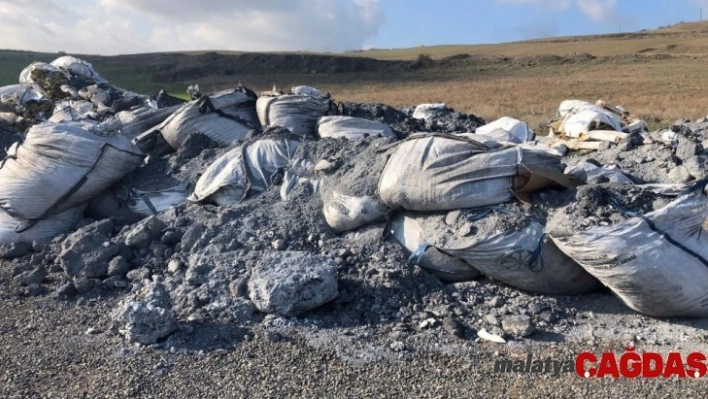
(295,211)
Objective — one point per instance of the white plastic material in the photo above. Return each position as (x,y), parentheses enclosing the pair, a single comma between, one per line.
(522,257)
(42,231)
(8,91)
(347,213)
(146,203)
(228,179)
(306,91)
(58,166)
(428,112)
(352,128)
(657,265)
(78,67)
(519,131)
(581,117)
(33,90)
(297,113)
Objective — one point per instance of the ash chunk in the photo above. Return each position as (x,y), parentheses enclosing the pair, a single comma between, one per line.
(289,283)
(146,316)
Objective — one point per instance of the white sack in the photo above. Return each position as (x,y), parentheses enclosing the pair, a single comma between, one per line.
(517,131)
(225,117)
(409,233)
(347,213)
(42,231)
(78,67)
(428,112)
(522,256)
(656,264)
(445,172)
(306,91)
(297,113)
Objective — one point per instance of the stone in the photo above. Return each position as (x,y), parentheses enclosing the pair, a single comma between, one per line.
(491,319)
(142,273)
(143,233)
(279,244)
(15,250)
(174,266)
(66,290)
(323,165)
(31,277)
(171,237)
(518,325)
(289,283)
(687,149)
(87,254)
(697,167)
(146,316)
(496,302)
(115,282)
(191,236)
(679,174)
(118,266)
(84,285)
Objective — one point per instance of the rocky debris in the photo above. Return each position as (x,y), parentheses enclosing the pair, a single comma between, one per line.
(15,250)
(146,316)
(143,233)
(118,266)
(291,283)
(88,251)
(517,325)
(32,277)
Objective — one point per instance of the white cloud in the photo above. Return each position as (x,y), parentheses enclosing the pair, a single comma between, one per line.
(553,4)
(597,10)
(130,26)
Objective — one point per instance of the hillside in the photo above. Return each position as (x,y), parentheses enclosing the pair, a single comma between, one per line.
(656,74)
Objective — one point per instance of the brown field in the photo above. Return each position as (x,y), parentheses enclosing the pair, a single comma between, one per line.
(657,75)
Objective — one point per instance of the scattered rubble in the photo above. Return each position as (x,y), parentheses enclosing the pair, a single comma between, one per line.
(219,216)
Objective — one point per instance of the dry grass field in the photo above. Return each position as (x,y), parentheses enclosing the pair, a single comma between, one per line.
(658,75)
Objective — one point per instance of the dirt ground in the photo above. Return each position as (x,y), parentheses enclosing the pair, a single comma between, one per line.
(54,348)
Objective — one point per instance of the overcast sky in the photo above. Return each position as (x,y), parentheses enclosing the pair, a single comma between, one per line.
(131,26)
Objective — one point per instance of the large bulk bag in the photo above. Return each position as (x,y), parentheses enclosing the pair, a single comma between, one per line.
(225,117)
(346,213)
(297,113)
(436,172)
(409,233)
(70,110)
(517,253)
(58,166)
(352,128)
(507,129)
(14,230)
(231,177)
(132,123)
(9,91)
(78,67)
(657,263)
